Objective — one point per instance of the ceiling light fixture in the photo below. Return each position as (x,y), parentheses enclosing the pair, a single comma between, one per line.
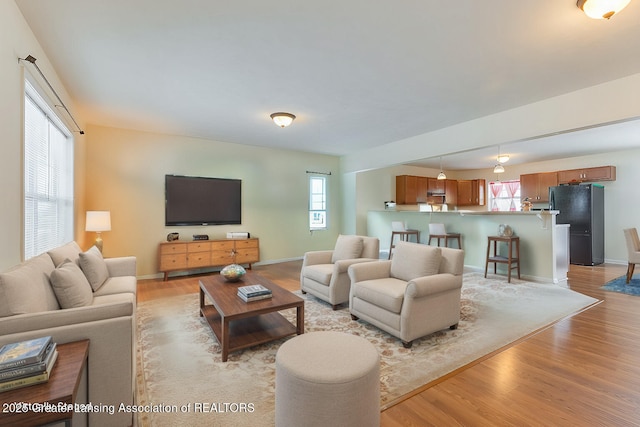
(282,119)
(441,175)
(501,159)
(602,9)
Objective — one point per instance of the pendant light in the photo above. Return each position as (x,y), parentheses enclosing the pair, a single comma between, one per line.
(441,175)
(501,159)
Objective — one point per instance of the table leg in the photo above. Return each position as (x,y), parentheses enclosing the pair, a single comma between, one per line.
(225,339)
(518,255)
(201,301)
(509,261)
(486,265)
(300,319)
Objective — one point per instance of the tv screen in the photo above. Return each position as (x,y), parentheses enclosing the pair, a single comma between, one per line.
(193,200)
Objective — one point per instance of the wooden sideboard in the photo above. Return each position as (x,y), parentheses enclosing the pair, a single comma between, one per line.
(176,256)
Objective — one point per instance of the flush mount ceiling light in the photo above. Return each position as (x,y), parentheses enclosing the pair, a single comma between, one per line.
(282,119)
(602,9)
(503,158)
(498,168)
(441,175)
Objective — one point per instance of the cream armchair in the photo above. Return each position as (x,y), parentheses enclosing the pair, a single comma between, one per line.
(633,250)
(413,295)
(324,273)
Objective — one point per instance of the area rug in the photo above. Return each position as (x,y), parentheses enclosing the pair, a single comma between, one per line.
(182,381)
(620,285)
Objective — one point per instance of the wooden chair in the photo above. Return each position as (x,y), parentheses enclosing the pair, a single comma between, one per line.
(439,231)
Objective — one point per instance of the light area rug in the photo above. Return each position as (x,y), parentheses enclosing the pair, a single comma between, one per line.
(182,378)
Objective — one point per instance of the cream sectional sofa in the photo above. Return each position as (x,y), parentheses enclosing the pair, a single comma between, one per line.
(74,295)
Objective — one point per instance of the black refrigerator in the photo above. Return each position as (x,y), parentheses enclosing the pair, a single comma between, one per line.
(582,207)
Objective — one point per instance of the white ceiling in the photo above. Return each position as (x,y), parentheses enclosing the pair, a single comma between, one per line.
(356,73)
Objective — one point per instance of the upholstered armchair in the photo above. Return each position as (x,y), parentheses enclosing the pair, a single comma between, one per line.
(324,273)
(414,294)
(633,250)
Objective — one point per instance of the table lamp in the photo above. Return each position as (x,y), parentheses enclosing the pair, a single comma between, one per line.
(98,221)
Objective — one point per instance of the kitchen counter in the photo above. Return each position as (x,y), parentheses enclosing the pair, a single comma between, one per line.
(541,254)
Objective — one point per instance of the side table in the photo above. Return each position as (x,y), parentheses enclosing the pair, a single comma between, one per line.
(15,405)
(511,260)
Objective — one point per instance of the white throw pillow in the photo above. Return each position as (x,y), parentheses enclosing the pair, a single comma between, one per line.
(347,247)
(413,260)
(71,286)
(94,267)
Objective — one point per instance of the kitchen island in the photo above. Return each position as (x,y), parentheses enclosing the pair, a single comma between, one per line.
(544,250)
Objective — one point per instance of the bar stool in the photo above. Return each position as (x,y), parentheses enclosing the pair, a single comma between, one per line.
(510,260)
(438,231)
(398,229)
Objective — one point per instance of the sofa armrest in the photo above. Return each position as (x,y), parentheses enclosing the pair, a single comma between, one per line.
(341,266)
(317,257)
(369,270)
(121,266)
(430,285)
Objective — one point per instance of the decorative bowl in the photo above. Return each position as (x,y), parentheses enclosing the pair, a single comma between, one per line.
(233,272)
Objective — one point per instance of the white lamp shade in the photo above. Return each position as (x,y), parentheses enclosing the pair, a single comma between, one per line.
(602,9)
(498,169)
(98,221)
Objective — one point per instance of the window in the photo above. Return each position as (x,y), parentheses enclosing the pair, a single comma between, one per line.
(48,177)
(504,195)
(317,203)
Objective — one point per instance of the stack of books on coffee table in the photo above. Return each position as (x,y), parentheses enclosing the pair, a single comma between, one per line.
(27,362)
(254,293)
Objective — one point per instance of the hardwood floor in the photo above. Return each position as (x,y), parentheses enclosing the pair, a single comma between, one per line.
(583,370)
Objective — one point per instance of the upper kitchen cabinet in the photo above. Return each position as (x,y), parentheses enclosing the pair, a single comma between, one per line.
(600,173)
(406,190)
(471,192)
(535,186)
(436,187)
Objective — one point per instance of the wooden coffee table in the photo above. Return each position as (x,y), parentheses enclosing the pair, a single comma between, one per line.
(237,324)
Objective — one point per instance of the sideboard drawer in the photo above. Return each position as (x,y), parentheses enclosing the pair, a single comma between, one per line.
(199,259)
(173,262)
(198,247)
(173,248)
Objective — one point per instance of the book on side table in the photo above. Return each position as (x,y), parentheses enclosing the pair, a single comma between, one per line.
(27,362)
(254,293)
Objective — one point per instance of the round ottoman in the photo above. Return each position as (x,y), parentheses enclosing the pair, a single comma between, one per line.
(327,379)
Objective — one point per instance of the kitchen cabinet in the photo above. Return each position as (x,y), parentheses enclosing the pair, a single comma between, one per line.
(471,192)
(600,173)
(423,187)
(451,192)
(535,186)
(411,190)
(406,190)
(436,186)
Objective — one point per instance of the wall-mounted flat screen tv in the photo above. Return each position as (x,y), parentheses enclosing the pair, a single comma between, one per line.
(191,200)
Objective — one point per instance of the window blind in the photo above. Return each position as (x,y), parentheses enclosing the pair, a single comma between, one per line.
(48,177)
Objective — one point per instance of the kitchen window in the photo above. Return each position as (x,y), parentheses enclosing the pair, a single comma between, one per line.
(504,195)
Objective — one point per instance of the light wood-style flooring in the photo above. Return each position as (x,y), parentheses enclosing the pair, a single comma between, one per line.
(582,371)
